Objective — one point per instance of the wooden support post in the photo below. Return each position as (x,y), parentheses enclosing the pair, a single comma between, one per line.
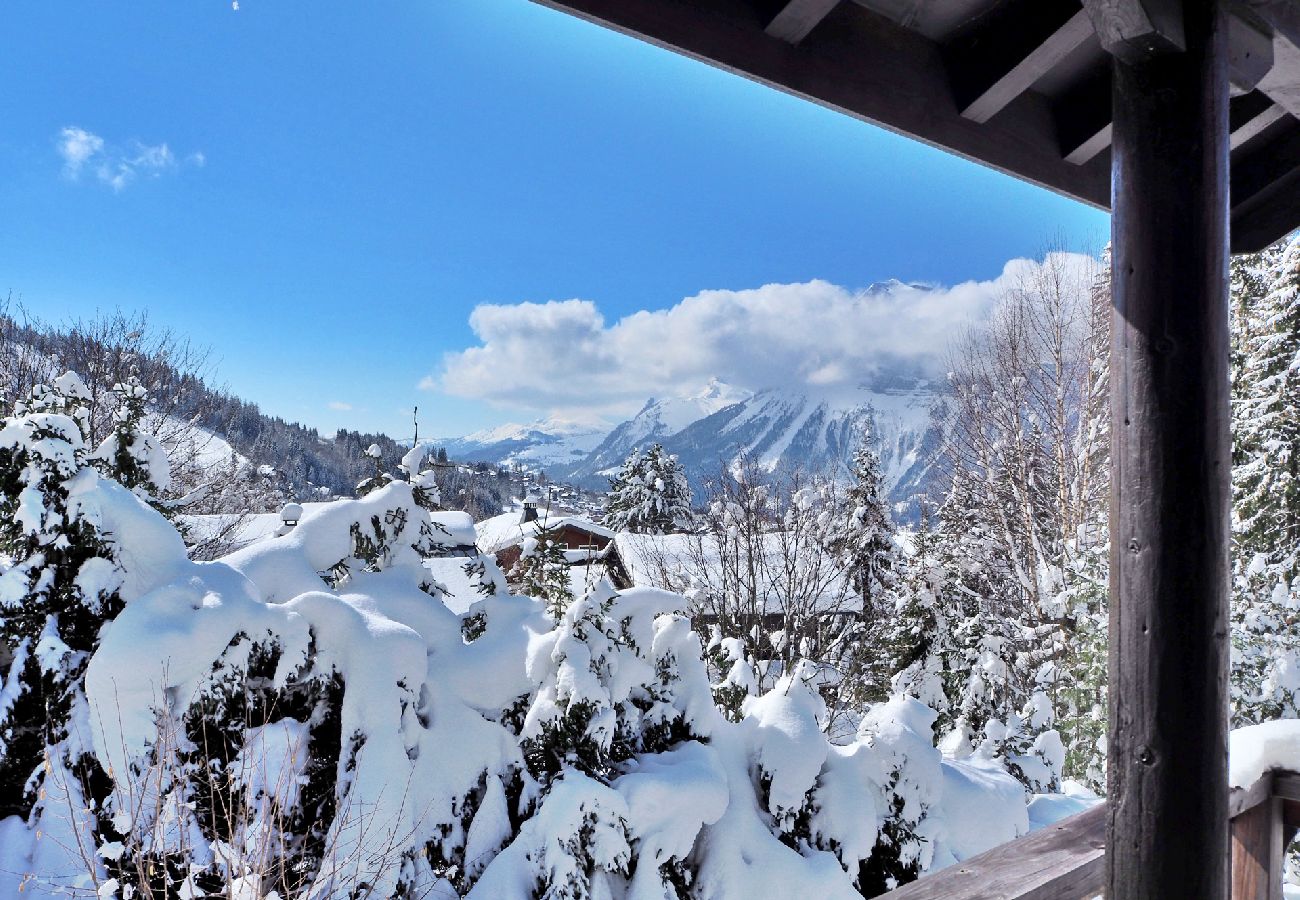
(1257,850)
(1168,828)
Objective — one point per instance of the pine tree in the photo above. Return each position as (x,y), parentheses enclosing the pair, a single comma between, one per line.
(1267,477)
(542,572)
(618,678)
(650,494)
(1266,486)
(862,534)
(59,582)
(920,638)
(378,477)
(131,456)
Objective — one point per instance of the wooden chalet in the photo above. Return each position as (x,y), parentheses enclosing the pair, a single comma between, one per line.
(585,543)
(1180,116)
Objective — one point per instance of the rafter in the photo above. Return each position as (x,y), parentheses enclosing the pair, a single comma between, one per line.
(797,18)
(1265,182)
(1001,56)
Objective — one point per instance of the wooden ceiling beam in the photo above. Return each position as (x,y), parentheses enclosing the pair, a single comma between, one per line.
(1265,183)
(1083,113)
(1136,30)
(797,18)
(860,63)
(1249,115)
(1083,118)
(999,57)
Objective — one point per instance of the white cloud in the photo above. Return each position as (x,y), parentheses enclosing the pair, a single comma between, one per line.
(562,355)
(116,166)
(340,406)
(76,146)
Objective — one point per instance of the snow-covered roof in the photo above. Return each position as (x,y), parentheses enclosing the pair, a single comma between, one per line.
(670,560)
(506,530)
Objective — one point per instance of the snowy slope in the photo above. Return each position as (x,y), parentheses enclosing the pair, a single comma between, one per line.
(543,444)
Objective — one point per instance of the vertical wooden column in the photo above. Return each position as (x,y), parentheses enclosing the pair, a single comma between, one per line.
(1168,829)
(1258,847)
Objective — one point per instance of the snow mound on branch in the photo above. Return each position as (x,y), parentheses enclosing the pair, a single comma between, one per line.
(432,788)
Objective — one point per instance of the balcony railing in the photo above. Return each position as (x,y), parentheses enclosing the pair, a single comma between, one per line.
(1067,860)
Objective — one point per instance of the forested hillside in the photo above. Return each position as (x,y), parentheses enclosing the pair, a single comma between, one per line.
(226,454)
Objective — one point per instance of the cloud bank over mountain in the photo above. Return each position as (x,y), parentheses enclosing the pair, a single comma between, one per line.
(816,336)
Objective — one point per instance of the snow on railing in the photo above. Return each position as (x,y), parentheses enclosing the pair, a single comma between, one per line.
(1067,860)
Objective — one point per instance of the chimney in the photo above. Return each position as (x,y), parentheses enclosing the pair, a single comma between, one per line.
(530,508)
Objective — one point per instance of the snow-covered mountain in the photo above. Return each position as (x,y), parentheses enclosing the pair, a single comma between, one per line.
(545,444)
(657,421)
(785,429)
(779,429)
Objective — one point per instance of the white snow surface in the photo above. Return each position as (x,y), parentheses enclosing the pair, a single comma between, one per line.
(425,702)
(506,530)
(1256,749)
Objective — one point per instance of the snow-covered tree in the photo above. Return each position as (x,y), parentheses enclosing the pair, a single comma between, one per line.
(861,532)
(650,494)
(130,455)
(379,477)
(59,584)
(619,677)
(542,571)
(1266,485)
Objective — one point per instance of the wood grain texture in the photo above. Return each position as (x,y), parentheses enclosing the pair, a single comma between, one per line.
(1061,862)
(1170,461)
(1257,852)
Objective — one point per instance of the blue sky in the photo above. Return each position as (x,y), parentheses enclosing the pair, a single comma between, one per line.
(343,183)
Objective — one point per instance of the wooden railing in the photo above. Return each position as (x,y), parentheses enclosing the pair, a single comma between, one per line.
(1067,860)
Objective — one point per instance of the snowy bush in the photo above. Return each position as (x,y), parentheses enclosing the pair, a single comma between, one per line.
(306,718)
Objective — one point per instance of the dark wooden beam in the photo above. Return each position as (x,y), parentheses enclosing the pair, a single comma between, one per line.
(1265,185)
(1083,118)
(797,18)
(860,63)
(1250,51)
(1170,463)
(1282,16)
(1134,30)
(998,58)
(1249,115)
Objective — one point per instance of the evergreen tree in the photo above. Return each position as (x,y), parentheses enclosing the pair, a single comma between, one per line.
(542,572)
(862,534)
(650,494)
(1267,474)
(59,582)
(619,677)
(378,476)
(919,637)
(1266,485)
(129,455)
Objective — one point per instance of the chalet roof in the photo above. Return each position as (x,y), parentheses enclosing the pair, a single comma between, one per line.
(506,530)
(1023,86)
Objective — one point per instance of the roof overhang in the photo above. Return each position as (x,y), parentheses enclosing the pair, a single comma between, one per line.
(1022,86)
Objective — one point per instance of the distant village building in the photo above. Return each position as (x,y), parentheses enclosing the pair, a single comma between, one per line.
(588,547)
